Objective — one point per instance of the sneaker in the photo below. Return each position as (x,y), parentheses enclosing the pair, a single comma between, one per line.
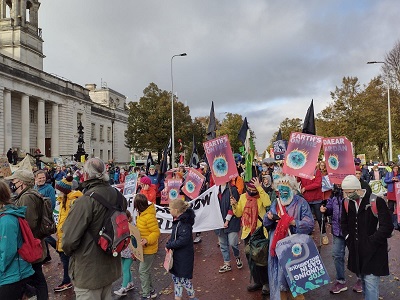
(63,287)
(325,240)
(358,286)
(130,286)
(338,288)
(120,292)
(225,268)
(153,294)
(239,263)
(197,240)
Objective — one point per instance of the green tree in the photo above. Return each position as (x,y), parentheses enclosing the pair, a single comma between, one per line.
(149,121)
(287,126)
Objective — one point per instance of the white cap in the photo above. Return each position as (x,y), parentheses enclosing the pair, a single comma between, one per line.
(351,182)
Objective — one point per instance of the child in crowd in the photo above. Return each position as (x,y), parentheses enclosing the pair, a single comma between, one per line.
(147,224)
(334,208)
(66,197)
(126,261)
(181,242)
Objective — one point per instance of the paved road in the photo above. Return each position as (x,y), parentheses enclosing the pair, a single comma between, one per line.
(209,284)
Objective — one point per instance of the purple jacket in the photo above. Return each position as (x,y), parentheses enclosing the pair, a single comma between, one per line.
(334,207)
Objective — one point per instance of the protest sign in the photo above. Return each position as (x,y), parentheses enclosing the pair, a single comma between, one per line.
(377,187)
(220,158)
(302,155)
(206,209)
(193,183)
(135,245)
(339,160)
(397,190)
(301,263)
(171,190)
(362,158)
(326,184)
(5,169)
(280,149)
(130,184)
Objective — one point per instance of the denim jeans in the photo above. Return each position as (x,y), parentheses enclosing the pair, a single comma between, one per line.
(145,274)
(226,240)
(65,262)
(392,209)
(338,254)
(370,284)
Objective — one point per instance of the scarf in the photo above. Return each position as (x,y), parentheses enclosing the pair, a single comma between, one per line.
(281,230)
(250,213)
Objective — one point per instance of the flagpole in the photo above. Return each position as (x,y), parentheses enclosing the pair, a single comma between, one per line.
(172,114)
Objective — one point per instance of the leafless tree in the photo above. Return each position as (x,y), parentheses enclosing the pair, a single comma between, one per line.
(391,68)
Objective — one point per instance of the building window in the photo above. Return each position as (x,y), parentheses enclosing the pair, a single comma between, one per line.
(93,133)
(93,153)
(46,117)
(101,154)
(109,137)
(32,116)
(109,155)
(78,119)
(101,133)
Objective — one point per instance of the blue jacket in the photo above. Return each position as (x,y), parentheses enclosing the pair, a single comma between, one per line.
(389,181)
(47,190)
(59,176)
(183,245)
(154,180)
(12,267)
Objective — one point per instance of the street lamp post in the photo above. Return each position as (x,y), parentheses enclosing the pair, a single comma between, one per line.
(389,118)
(172,113)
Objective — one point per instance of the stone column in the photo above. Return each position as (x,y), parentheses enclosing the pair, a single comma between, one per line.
(7,121)
(25,123)
(55,150)
(41,127)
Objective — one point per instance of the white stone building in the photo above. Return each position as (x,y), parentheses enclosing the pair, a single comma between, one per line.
(40,110)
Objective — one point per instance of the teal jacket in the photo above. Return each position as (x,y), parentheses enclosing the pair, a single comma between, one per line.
(12,267)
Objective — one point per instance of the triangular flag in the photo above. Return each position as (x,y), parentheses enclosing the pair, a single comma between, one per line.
(243,131)
(212,124)
(279,135)
(309,121)
(194,159)
(149,161)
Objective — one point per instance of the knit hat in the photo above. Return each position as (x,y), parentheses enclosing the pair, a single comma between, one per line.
(350,182)
(358,169)
(145,180)
(64,185)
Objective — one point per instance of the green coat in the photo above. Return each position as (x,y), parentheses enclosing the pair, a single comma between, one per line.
(90,267)
(29,199)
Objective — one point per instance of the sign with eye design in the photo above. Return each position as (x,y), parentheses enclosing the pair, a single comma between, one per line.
(193,183)
(220,158)
(171,190)
(302,155)
(339,160)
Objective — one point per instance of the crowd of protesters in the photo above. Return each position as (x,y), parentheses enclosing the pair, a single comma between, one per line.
(279,202)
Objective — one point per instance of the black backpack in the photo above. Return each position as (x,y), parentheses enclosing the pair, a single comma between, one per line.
(114,235)
(47,225)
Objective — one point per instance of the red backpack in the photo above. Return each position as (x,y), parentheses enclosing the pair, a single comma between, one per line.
(114,235)
(31,248)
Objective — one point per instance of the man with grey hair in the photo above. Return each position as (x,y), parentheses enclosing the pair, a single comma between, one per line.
(21,184)
(92,270)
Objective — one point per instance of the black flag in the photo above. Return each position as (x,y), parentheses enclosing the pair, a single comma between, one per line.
(243,131)
(194,159)
(149,161)
(164,164)
(279,135)
(309,121)
(212,124)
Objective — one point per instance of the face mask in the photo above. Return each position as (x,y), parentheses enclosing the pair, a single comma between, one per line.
(13,187)
(265,169)
(252,194)
(353,196)
(285,194)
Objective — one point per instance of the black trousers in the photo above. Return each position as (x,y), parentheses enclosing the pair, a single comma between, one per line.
(13,291)
(38,281)
(259,274)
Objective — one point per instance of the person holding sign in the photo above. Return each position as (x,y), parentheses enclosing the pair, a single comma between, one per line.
(366,236)
(289,213)
(251,207)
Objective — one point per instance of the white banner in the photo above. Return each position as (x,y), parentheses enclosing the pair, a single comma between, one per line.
(206,208)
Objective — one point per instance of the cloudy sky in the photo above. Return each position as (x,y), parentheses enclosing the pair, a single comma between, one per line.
(265,60)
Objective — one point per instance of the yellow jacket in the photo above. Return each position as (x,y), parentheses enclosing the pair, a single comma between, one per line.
(262,202)
(62,215)
(147,224)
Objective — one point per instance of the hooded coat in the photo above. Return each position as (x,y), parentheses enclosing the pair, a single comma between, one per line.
(365,240)
(147,224)
(89,266)
(12,267)
(181,241)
